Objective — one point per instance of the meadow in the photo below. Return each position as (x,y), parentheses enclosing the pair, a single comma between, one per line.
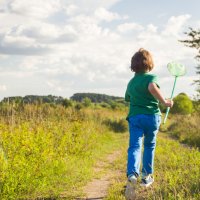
(185,128)
(177,163)
(48,151)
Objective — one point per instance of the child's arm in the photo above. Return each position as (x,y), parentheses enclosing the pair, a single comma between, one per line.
(155,91)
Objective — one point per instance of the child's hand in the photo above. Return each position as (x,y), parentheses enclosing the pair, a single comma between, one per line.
(169,103)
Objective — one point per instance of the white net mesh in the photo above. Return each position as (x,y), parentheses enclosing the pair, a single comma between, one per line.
(176,69)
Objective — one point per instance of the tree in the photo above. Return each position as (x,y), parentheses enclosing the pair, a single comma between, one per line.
(194,42)
(94,97)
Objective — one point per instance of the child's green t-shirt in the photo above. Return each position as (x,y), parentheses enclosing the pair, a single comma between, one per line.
(137,93)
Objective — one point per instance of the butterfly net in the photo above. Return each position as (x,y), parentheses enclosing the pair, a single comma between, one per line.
(176,69)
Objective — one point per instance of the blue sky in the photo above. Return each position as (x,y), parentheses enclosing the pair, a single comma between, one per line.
(62,47)
(157,11)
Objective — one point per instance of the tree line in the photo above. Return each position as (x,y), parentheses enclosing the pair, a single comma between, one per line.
(95,97)
(79,97)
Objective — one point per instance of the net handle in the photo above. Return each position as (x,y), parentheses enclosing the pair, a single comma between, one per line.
(172,94)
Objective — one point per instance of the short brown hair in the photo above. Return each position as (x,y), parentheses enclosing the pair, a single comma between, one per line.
(142,61)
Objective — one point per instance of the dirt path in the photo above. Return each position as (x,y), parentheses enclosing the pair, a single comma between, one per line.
(97,188)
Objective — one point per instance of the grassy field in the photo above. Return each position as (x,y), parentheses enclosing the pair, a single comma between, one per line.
(177,166)
(46,151)
(185,128)
(177,173)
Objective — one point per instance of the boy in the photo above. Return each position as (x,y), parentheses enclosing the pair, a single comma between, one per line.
(144,118)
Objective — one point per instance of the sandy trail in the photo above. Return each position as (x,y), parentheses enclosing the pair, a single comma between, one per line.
(97,188)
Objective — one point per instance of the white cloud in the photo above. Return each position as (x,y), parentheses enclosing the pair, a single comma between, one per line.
(89,29)
(35,38)
(10,40)
(38,9)
(46,33)
(86,26)
(184,84)
(127,27)
(105,15)
(152,28)
(71,9)
(3,5)
(3,88)
(55,85)
(88,6)
(60,44)
(3,56)
(21,45)
(175,25)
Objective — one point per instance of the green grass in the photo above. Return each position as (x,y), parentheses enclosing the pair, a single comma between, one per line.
(47,152)
(177,173)
(185,128)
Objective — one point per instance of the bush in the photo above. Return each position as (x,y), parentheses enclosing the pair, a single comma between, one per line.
(186,129)
(104,105)
(196,104)
(66,103)
(115,105)
(78,106)
(112,104)
(182,104)
(117,126)
(87,102)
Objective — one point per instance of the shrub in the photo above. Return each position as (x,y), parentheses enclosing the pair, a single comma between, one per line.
(117,126)
(78,106)
(182,104)
(186,129)
(196,104)
(113,104)
(66,103)
(104,105)
(87,102)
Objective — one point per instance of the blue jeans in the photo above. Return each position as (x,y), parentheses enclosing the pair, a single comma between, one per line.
(148,126)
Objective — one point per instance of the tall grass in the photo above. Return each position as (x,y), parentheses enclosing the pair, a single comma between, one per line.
(46,150)
(177,166)
(185,128)
(177,173)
